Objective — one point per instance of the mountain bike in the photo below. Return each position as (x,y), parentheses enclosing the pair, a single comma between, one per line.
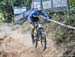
(39,35)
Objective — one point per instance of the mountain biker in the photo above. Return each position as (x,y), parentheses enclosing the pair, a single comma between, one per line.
(33,17)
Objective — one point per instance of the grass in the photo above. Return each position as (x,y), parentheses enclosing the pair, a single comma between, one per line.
(62,35)
(1,17)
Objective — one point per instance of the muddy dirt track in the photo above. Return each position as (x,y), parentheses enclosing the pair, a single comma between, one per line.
(15,41)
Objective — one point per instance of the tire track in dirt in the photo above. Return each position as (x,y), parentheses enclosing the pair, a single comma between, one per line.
(18,44)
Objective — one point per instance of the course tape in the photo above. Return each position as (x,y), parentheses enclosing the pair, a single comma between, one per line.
(68,26)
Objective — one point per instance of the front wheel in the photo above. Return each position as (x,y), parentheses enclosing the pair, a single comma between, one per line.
(35,44)
(43,39)
(35,38)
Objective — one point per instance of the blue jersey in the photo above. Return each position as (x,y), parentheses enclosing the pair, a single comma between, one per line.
(35,13)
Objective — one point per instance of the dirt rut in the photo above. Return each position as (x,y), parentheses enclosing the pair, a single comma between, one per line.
(15,41)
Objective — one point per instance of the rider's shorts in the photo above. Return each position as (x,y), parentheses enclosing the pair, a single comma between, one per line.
(35,19)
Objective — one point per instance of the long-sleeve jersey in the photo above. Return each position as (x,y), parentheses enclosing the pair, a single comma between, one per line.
(35,13)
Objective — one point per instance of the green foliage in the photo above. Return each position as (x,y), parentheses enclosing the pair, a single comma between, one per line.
(1,17)
(28,2)
(6,9)
(72,3)
(4,6)
(72,6)
(64,37)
